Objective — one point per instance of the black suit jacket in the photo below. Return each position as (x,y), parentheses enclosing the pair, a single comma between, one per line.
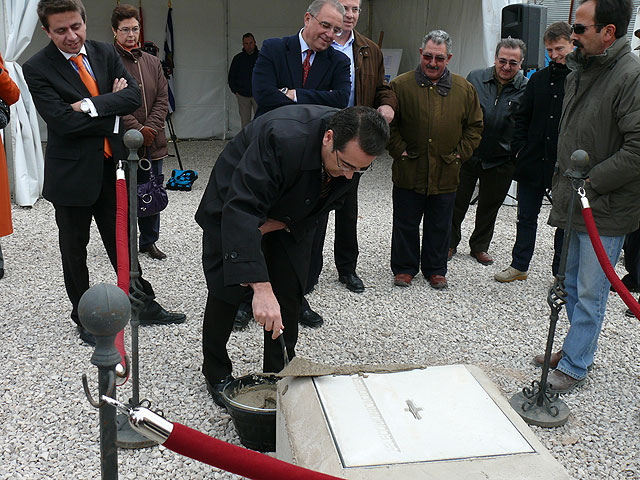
(271,169)
(280,65)
(74,158)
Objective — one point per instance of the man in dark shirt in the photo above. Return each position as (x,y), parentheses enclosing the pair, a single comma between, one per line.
(240,74)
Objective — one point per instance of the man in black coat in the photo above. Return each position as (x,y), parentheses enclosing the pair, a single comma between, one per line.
(535,142)
(267,190)
(84,139)
(239,78)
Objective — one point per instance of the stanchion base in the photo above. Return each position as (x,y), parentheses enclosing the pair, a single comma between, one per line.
(128,437)
(540,416)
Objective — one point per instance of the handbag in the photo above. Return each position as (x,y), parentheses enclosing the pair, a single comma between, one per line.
(5,114)
(152,196)
(182,180)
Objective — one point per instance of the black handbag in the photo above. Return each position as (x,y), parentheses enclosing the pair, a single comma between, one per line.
(152,196)
(5,114)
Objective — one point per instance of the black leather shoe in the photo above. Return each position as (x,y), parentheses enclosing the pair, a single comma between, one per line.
(628,282)
(154,314)
(1,272)
(352,282)
(153,251)
(309,318)
(215,389)
(242,320)
(86,336)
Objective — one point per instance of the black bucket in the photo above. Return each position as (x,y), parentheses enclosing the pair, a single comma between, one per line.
(256,424)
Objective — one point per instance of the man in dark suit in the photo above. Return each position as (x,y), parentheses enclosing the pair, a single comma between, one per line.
(304,68)
(267,190)
(80,89)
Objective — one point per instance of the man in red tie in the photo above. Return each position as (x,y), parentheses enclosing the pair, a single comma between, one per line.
(80,88)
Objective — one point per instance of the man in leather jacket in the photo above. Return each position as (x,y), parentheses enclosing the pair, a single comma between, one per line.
(500,89)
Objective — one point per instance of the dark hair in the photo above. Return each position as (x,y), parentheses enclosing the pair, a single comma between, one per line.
(361,123)
(51,7)
(557,30)
(512,43)
(248,35)
(123,12)
(615,12)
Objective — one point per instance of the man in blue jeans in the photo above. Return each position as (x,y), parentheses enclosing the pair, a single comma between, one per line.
(600,114)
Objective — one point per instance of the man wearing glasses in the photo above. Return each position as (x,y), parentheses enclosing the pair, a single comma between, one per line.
(435,130)
(267,191)
(368,88)
(600,114)
(500,88)
(303,68)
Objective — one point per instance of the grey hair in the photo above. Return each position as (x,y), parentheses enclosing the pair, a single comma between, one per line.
(512,43)
(438,37)
(315,6)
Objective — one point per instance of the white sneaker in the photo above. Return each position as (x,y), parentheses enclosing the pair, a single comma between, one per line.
(510,274)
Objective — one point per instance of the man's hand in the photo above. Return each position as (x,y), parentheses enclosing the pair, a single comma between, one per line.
(387,112)
(271,225)
(119,84)
(266,309)
(76,106)
(149,134)
(291,94)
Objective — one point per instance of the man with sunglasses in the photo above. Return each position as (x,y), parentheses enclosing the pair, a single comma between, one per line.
(500,88)
(267,191)
(435,130)
(600,115)
(304,68)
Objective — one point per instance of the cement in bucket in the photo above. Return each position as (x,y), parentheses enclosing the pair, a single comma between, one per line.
(251,402)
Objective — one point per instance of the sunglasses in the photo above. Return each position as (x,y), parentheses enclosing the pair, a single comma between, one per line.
(579,29)
(439,58)
(511,63)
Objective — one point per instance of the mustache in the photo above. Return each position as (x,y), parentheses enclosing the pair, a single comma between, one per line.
(429,67)
(576,43)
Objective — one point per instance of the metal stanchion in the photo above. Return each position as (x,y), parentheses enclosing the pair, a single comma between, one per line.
(535,404)
(133,139)
(104,310)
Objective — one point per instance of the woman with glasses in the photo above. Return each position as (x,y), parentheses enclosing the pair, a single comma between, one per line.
(150,117)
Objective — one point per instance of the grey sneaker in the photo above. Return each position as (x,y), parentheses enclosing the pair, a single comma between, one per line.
(510,274)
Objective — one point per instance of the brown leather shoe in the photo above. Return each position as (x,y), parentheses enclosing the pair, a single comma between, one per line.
(451,253)
(437,281)
(538,360)
(402,280)
(482,257)
(153,252)
(559,382)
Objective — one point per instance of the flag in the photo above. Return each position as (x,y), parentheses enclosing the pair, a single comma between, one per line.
(168,59)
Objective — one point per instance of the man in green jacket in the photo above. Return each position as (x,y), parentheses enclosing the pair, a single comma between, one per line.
(436,128)
(601,115)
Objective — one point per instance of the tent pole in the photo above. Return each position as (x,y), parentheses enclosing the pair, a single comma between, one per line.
(8,148)
(570,12)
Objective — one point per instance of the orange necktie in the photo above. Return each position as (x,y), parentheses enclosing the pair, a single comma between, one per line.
(92,86)
(306,66)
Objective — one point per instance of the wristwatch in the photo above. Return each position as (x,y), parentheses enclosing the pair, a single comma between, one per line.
(84,106)
(284,90)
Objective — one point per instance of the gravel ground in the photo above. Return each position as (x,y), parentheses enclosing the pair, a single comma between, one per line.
(48,430)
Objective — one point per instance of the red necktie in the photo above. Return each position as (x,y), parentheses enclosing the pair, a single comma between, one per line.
(306,66)
(92,86)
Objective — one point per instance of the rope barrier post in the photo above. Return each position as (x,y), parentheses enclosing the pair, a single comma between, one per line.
(133,139)
(535,404)
(104,310)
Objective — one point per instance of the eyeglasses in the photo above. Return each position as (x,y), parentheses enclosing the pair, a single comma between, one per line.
(328,27)
(579,29)
(439,58)
(347,167)
(127,30)
(354,10)
(512,63)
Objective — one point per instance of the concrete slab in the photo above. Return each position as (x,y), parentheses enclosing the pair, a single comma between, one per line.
(434,423)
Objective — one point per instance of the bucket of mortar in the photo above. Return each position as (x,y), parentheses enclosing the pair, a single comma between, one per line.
(251,402)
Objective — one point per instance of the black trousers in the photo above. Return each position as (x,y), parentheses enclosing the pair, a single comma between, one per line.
(345,245)
(632,255)
(494,185)
(219,316)
(409,208)
(74,225)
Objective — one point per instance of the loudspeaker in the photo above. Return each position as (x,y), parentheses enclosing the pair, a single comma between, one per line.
(526,22)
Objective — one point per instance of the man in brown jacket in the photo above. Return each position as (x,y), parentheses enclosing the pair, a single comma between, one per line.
(369,89)
(437,127)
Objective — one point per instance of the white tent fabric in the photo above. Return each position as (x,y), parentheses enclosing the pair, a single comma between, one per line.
(26,149)
(635,41)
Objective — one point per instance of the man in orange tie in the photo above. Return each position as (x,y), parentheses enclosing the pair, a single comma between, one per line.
(80,88)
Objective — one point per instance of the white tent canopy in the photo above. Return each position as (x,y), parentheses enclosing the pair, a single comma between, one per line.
(208,34)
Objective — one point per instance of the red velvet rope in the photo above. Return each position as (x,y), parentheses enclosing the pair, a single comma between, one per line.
(122,249)
(619,287)
(238,460)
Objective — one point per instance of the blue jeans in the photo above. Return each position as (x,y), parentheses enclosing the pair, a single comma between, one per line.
(588,289)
